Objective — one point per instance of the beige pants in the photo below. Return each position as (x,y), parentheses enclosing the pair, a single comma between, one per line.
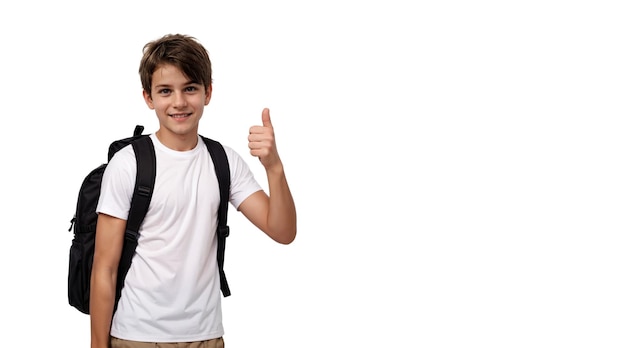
(214,343)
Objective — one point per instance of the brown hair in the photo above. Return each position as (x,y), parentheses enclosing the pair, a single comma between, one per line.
(181,51)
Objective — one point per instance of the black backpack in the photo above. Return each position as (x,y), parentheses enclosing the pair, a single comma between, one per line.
(85,217)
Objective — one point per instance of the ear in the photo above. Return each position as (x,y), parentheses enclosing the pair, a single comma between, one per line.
(148,99)
(207,97)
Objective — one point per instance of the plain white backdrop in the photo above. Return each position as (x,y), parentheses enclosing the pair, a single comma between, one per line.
(458,167)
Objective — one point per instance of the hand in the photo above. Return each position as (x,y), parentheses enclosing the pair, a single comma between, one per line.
(262,143)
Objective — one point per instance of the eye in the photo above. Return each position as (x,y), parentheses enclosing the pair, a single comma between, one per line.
(164,91)
(191,89)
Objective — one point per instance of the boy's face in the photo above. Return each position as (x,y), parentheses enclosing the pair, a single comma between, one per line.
(177,101)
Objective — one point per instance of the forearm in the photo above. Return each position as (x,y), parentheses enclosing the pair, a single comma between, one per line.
(275,215)
(281,219)
(102,299)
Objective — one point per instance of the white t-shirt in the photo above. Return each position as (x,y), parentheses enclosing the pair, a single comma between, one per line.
(172,290)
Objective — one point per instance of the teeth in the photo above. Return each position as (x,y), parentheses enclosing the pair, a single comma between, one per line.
(179,116)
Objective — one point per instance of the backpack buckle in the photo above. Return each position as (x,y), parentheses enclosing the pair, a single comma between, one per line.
(144,191)
(223,231)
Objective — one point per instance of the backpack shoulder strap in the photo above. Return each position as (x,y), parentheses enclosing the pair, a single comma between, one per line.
(144,186)
(222,169)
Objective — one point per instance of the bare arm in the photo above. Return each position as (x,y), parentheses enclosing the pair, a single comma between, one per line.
(274,214)
(108,249)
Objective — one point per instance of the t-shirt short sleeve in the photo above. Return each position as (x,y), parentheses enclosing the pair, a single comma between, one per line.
(243,183)
(117,185)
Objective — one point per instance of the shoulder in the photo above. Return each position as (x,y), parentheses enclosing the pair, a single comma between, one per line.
(124,154)
(123,162)
(231,154)
(237,164)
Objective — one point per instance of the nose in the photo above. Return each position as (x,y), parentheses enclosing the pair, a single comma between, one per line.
(179,100)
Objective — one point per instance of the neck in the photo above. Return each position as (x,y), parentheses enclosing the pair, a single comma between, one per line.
(177,142)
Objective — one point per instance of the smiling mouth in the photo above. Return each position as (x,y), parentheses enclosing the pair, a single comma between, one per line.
(179,115)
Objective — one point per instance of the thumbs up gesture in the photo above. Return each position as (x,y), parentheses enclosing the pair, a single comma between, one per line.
(262,143)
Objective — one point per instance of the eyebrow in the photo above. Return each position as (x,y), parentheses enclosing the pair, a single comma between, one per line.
(184,85)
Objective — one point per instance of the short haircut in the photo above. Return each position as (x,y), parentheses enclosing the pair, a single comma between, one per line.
(181,51)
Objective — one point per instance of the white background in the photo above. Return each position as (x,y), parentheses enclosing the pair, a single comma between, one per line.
(458,166)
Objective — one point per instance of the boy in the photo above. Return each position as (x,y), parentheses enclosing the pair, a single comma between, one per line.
(172,291)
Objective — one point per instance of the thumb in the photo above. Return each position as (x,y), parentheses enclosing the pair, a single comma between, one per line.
(265,116)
